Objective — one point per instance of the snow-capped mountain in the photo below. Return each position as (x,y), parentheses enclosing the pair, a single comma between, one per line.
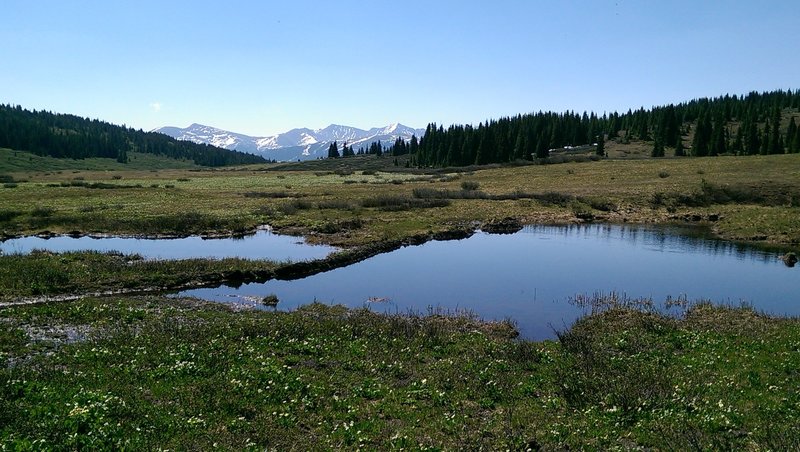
(302,144)
(201,134)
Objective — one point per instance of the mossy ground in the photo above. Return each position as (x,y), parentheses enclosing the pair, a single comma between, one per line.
(150,372)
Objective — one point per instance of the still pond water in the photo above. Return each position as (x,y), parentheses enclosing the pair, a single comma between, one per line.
(531,275)
(261,245)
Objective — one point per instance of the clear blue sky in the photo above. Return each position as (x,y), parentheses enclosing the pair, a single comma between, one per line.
(263,67)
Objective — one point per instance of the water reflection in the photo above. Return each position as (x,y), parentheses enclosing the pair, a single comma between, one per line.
(529,276)
(261,245)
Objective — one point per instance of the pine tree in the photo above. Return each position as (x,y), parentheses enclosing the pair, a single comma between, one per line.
(487,147)
(702,135)
(679,150)
(122,155)
(717,145)
(776,143)
(333,151)
(658,148)
(413,146)
(765,139)
(347,151)
(520,146)
(752,139)
(791,133)
(601,146)
(738,142)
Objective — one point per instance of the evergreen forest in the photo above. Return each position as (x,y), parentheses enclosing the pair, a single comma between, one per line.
(69,136)
(756,123)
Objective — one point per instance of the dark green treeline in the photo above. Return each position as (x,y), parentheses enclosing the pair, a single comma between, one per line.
(68,136)
(750,124)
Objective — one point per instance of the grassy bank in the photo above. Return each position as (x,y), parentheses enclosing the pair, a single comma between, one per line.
(744,198)
(42,273)
(148,372)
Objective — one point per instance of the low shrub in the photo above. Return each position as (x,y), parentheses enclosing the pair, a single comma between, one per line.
(42,212)
(291,207)
(469,185)
(401,202)
(7,215)
(267,194)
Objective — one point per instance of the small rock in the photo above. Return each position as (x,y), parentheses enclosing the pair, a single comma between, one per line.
(270,300)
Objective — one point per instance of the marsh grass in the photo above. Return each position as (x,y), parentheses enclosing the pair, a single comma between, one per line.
(768,194)
(86,218)
(47,273)
(8,215)
(151,372)
(268,194)
(394,203)
(546,199)
(626,190)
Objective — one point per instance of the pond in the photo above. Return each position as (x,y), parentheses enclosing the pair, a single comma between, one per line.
(261,245)
(530,276)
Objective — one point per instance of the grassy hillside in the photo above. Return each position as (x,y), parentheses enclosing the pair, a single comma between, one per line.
(26,162)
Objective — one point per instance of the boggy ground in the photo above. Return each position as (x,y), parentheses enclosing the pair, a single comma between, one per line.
(148,373)
(152,372)
(753,198)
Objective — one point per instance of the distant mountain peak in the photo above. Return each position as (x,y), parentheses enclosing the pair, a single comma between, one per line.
(299,143)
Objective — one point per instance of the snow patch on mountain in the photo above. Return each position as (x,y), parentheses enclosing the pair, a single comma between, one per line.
(302,144)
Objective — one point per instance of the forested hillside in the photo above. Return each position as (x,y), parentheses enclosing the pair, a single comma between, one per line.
(758,123)
(69,136)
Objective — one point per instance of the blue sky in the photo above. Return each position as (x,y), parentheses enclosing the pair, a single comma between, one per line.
(263,67)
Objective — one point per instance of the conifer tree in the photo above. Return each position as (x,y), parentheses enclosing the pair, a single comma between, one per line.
(765,139)
(333,151)
(601,146)
(679,150)
(793,137)
(347,151)
(717,145)
(520,145)
(658,148)
(702,135)
(122,156)
(752,139)
(775,141)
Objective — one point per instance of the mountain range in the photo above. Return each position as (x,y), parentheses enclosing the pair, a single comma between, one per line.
(296,144)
